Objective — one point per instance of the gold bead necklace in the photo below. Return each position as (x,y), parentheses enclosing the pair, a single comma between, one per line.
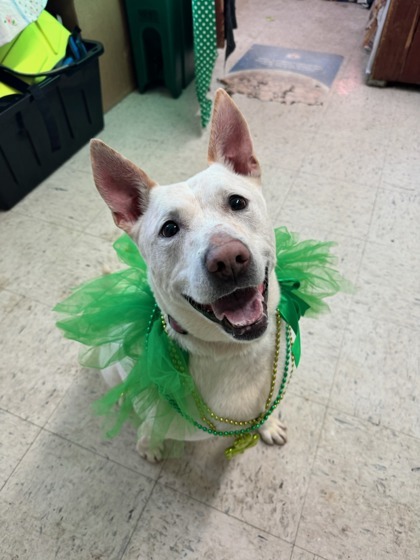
(205,411)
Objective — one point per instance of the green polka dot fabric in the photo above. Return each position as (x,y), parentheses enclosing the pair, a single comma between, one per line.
(205,52)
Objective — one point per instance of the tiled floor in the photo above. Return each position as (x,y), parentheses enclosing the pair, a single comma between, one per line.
(347,485)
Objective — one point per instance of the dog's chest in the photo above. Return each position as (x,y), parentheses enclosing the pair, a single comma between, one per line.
(237,387)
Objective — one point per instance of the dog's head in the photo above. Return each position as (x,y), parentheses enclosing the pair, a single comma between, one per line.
(207,241)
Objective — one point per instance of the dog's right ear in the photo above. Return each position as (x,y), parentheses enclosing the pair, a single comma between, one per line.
(230,138)
(124,187)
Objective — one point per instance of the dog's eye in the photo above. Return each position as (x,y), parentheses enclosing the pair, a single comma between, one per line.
(237,202)
(169,229)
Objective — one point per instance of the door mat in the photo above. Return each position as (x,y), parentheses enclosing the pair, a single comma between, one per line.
(284,75)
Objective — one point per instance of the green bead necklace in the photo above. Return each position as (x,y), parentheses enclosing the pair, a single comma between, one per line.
(245,436)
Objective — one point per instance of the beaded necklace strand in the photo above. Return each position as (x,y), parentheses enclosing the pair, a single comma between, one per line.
(246,435)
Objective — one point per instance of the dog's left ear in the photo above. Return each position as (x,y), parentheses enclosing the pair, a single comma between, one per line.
(124,186)
(230,139)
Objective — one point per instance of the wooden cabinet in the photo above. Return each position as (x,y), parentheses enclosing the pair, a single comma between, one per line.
(397,56)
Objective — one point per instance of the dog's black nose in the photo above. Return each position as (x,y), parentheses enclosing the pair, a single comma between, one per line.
(227,258)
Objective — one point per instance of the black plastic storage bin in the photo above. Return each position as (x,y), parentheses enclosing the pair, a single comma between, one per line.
(38,134)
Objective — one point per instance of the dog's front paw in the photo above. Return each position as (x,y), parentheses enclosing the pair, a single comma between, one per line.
(146,452)
(273,431)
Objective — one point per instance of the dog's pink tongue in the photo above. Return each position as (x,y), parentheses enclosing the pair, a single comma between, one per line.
(242,308)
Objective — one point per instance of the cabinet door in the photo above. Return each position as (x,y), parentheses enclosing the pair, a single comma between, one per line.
(398,55)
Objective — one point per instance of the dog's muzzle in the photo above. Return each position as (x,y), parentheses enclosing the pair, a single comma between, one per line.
(242,313)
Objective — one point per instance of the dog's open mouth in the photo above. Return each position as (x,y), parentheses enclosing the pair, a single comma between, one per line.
(242,313)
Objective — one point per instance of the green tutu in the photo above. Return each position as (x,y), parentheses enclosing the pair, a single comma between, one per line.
(117,320)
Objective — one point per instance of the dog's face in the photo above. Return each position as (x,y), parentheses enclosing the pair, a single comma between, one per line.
(209,251)
(207,241)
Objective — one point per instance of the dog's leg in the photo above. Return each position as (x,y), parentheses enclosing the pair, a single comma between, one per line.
(153,455)
(146,451)
(273,431)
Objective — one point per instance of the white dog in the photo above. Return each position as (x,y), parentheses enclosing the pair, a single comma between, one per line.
(210,252)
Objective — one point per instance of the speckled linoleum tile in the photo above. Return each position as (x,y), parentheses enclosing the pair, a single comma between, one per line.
(300,554)
(89,258)
(16,436)
(286,148)
(46,261)
(122,133)
(64,502)
(75,420)
(37,365)
(317,32)
(322,337)
(155,117)
(175,526)
(344,207)
(360,109)
(396,218)
(362,501)
(276,183)
(377,373)
(266,485)
(388,283)
(175,163)
(28,246)
(402,165)
(347,155)
(103,225)
(67,198)
(314,376)
(8,300)
(277,118)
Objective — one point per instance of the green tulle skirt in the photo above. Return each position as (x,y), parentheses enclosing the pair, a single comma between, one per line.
(116,319)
